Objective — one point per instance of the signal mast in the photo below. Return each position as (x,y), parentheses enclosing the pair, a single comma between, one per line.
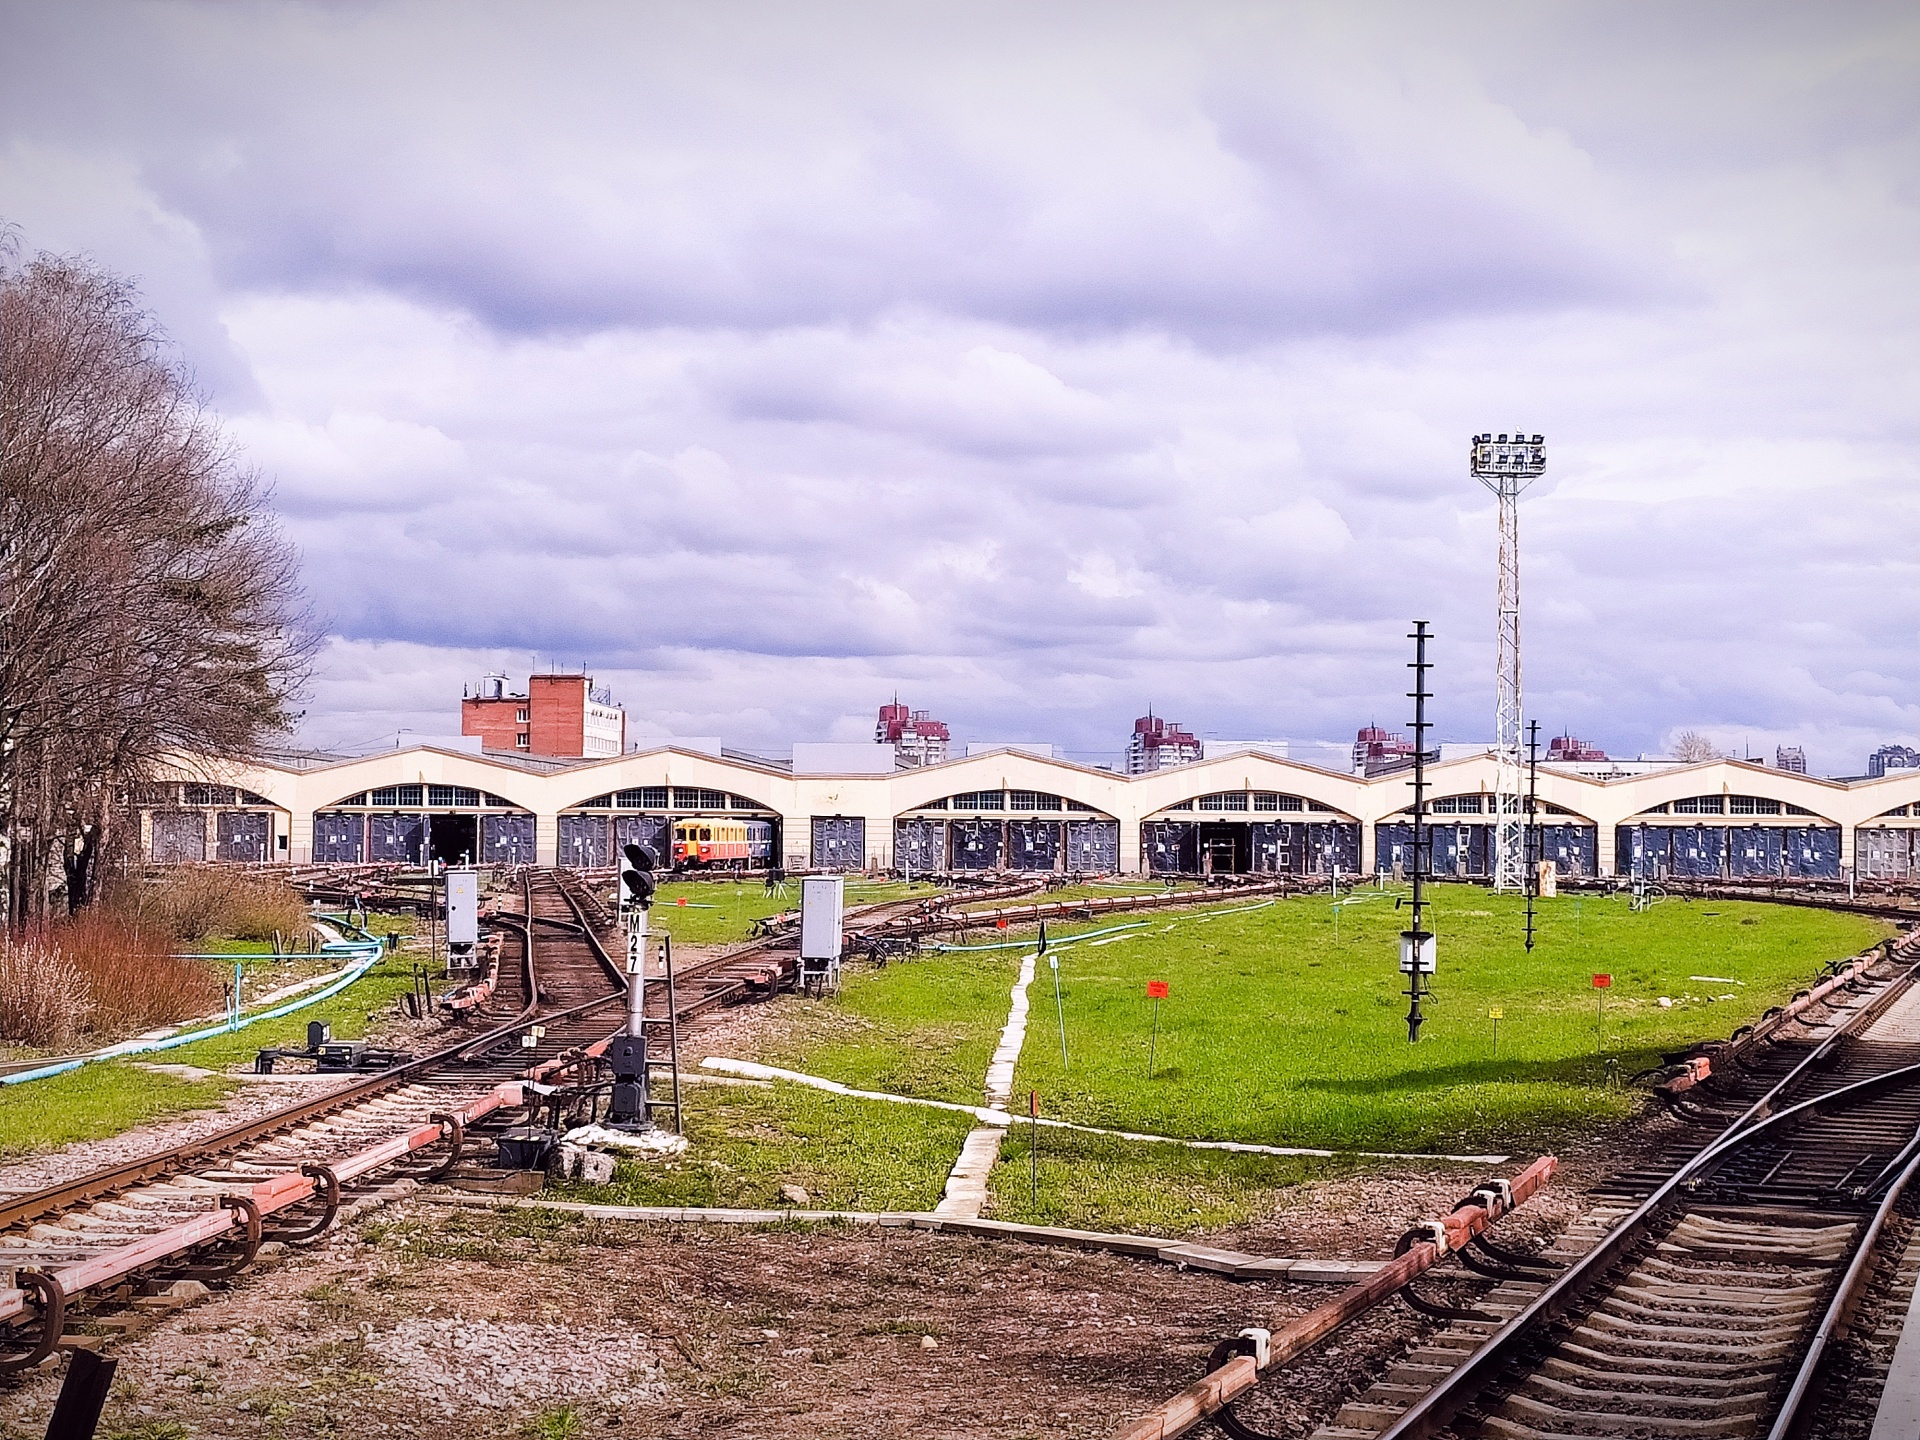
(630,1106)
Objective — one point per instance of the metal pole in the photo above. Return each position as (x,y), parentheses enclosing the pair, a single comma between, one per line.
(1506,468)
(1059,1008)
(637,998)
(1531,877)
(1419,695)
(673,1037)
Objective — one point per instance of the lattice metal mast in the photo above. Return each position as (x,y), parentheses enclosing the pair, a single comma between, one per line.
(1506,466)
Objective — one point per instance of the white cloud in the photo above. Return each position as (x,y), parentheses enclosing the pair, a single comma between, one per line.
(1039,363)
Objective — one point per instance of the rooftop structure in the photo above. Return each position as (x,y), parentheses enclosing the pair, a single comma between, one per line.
(1792,758)
(1158,744)
(1889,758)
(917,738)
(1376,749)
(557,716)
(1564,748)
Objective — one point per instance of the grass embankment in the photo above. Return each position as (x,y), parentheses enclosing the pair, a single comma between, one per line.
(1277,1031)
(99,1100)
(913,1028)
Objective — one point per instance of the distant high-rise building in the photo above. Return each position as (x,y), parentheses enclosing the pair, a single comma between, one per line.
(917,738)
(1892,757)
(1790,757)
(1158,744)
(1375,749)
(1565,748)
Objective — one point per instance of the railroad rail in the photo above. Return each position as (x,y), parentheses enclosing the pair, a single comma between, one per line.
(1713,1305)
(204,1210)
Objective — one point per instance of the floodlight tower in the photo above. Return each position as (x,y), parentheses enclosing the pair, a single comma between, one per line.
(1506,467)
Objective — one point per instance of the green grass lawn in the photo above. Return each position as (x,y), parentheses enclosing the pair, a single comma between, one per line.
(107,1098)
(747,1142)
(925,1028)
(94,1102)
(1278,1032)
(1097,1182)
(722,912)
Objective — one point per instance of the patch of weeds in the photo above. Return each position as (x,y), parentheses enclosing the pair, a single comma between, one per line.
(1101,1182)
(148,1430)
(556,1422)
(331,1301)
(904,1326)
(96,1101)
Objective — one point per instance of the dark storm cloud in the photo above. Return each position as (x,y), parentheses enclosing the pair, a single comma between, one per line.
(1040,362)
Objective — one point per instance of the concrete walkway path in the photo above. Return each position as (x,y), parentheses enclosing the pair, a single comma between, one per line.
(966,1188)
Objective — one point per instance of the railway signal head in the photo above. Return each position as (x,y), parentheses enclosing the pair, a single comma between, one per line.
(636,877)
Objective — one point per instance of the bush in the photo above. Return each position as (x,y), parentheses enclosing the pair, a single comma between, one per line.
(194,902)
(95,974)
(44,998)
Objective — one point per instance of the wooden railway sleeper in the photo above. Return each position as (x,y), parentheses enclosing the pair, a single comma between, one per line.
(53,1319)
(330,1193)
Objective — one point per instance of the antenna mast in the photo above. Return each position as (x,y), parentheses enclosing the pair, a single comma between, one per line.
(1506,466)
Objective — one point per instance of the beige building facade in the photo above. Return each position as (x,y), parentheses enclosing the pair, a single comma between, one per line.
(1012,809)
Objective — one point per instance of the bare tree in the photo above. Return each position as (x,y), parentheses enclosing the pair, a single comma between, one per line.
(1692,745)
(147,601)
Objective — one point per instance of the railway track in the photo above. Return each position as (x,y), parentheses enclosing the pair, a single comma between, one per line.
(1713,1285)
(84,1245)
(73,1251)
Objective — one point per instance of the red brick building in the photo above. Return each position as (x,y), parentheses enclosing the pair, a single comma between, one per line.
(559,716)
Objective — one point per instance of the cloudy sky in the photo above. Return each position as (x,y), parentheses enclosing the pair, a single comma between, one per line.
(1039,362)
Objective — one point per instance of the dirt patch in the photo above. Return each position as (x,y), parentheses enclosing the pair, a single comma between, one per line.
(472,1324)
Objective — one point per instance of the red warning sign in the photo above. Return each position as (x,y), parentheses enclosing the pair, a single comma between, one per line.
(1156,989)
(1602,982)
(1000,924)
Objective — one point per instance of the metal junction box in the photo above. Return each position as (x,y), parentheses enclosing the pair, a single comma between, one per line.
(822,904)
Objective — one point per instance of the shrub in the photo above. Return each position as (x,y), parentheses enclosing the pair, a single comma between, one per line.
(193,902)
(44,998)
(96,974)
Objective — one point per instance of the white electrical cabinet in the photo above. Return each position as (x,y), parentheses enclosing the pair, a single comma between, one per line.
(822,904)
(463,907)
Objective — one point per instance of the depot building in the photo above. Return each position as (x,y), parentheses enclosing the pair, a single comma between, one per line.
(1009,809)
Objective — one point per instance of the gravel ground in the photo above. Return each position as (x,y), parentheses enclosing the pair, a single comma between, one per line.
(475,1324)
(251,1100)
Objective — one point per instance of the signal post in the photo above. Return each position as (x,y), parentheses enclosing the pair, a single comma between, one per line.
(631,1106)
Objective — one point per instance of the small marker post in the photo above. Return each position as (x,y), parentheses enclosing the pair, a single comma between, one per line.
(1059,1007)
(1156,992)
(1495,1014)
(1601,984)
